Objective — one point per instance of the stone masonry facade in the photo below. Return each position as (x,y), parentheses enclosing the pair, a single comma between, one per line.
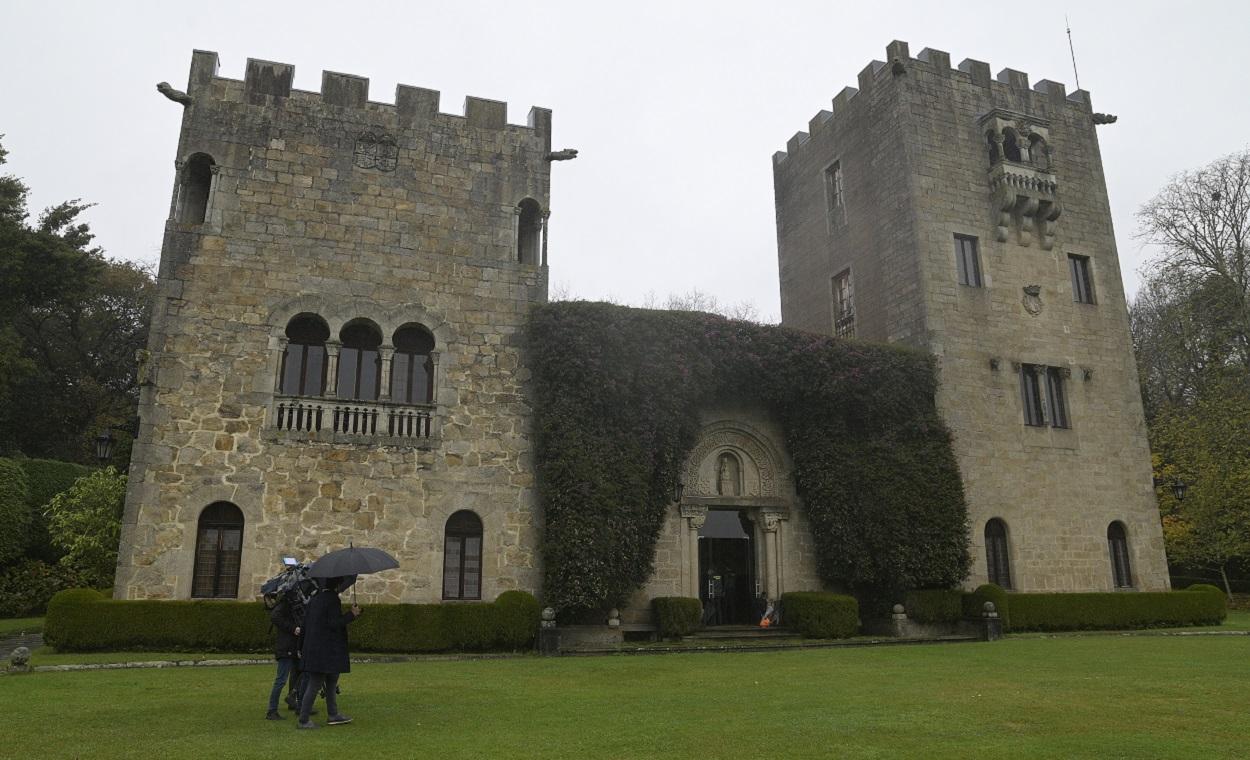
(878,200)
(328,207)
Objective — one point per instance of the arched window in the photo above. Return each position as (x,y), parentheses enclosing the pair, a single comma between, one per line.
(1037,151)
(412,370)
(304,360)
(462,556)
(218,549)
(1011,146)
(193,190)
(728,475)
(529,231)
(997,560)
(1117,544)
(360,364)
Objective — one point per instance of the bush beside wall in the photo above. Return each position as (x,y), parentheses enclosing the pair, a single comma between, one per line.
(676,616)
(935,605)
(46,478)
(15,512)
(820,615)
(85,620)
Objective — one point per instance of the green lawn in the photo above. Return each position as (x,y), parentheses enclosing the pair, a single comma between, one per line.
(1097,697)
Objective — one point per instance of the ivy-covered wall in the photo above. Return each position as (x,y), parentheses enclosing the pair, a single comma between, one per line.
(617,393)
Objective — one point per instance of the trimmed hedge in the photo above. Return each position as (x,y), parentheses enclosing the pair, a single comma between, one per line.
(820,615)
(935,605)
(15,512)
(85,620)
(1111,611)
(974,603)
(46,478)
(677,616)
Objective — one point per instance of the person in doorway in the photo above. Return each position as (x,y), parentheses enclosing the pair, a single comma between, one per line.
(325,651)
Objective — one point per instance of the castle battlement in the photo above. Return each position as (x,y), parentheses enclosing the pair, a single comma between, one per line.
(1008,88)
(269,82)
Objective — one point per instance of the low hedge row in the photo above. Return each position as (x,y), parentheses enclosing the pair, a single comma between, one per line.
(820,615)
(676,616)
(1110,611)
(85,620)
(935,605)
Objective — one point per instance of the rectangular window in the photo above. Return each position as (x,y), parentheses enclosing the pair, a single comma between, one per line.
(1082,284)
(1043,395)
(843,305)
(833,191)
(1056,404)
(1032,395)
(967,261)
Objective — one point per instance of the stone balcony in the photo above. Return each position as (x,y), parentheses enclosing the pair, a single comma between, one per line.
(369,423)
(1026,198)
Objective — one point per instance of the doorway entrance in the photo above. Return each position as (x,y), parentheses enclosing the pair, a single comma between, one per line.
(727,573)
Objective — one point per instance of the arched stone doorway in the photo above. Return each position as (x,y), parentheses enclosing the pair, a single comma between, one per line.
(735,507)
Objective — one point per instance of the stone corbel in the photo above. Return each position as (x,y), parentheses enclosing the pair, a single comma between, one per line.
(697,515)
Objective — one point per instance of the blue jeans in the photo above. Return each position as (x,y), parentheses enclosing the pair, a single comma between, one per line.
(279,681)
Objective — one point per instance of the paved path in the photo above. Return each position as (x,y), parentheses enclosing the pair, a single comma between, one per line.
(31,641)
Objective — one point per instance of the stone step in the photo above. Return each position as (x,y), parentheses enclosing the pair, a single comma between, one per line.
(743,632)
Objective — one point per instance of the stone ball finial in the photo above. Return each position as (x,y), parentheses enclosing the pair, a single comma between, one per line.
(989,610)
(19,659)
(549,613)
(614,618)
(898,609)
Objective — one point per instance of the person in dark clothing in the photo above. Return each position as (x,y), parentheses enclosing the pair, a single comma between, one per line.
(325,651)
(286,652)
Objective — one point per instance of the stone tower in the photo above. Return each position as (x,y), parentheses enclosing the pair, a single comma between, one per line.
(333,354)
(967,215)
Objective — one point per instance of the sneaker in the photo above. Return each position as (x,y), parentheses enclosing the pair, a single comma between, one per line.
(306,724)
(338,720)
(274,715)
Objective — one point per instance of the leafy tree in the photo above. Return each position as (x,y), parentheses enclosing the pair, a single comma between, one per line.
(1207,444)
(70,324)
(85,523)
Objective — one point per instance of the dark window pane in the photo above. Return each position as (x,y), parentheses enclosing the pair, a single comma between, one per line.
(370,371)
(401,385)
(1057,405)
(1031,395)
(996,559)
(314,371)
(349,359)
(292,366)
(451,567)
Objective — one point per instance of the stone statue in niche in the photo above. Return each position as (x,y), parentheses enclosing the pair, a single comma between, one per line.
(728,475)
(376,149)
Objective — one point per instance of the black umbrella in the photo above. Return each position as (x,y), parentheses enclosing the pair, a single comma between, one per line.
(352,561)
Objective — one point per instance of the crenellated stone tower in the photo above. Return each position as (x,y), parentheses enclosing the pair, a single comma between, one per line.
(333,354)
(967,215)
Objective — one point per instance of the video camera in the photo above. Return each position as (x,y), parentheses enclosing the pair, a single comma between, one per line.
(293,585)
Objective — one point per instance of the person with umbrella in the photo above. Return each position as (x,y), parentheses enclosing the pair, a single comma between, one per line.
(325,650)
(325,626)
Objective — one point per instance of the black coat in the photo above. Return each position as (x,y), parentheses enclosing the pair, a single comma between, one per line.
(283,619)
(325,634)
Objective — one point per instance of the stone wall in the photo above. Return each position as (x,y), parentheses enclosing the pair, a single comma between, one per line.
(1056,489)
(330,204)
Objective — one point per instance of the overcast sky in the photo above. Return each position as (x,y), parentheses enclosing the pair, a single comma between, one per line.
(676,107)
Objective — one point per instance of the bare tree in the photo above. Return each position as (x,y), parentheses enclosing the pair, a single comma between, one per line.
(696,300)
(1201,221)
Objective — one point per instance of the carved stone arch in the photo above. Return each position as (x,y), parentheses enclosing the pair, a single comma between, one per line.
(760,459)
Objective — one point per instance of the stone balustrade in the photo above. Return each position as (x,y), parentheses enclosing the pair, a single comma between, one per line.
(351,421)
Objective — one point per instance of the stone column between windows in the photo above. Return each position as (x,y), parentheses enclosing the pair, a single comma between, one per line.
(693,519)
(516,233)
(175,212)
(546,214)
(332,368)
(434,377)
(277,380)
(214,172)
(384,381)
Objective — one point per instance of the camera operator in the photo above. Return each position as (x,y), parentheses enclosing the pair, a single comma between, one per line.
(325,651)
(286,651)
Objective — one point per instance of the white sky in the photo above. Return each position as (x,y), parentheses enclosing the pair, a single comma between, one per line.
(676,107)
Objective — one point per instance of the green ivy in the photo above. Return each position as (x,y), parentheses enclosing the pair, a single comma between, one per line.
(617,395)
